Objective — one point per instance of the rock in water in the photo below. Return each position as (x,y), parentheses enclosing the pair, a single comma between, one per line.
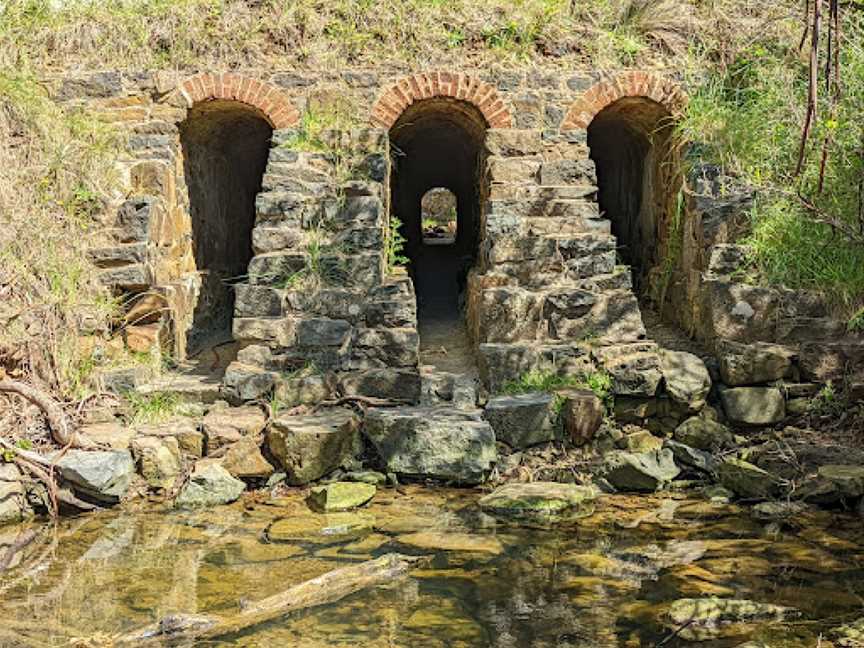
(13,500)
(524,420)
(310,446)
(540,501)
(646,472)
(437,442)
(746,480)
(101,475)
(452,541)
(340,496)
(850,635)
(209,485)
(710,618)
(687,379)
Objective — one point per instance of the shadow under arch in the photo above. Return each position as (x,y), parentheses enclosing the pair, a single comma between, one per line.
(225,147)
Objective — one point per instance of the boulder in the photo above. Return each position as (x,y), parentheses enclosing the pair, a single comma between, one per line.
(833,484)
(850,635)
(245,382)
(158,460)
(581,414)
(101,475)
(634,368)
(540,501)
(703,434)
(646,472)
(327,528)
(13,499)
(185,430)
(694,458)
(687,379)
(640,441)
(245,461)
(310,446)
(746,480)
(710,618)
(225,425)
(753,406)
(751,364)
(209,485)
(441,443)
(340,496)
(524,420)
(832,361)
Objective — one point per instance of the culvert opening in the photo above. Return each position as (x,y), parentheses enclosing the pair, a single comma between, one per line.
(225,147)
(438,150)
(629,143)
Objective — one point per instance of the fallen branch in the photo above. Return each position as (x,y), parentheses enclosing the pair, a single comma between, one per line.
(327,588)
(57,421)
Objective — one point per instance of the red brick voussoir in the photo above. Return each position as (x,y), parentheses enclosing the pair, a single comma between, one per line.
(230,86)
(396,97)
(625,84)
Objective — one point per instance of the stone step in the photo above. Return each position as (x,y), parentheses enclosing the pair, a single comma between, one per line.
(445,388)
(188,388)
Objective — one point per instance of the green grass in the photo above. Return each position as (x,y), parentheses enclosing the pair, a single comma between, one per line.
(547,380)
(747,116)
(151,409)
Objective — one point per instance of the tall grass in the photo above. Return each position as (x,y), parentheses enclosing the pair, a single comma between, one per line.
(746,114)
(56,169)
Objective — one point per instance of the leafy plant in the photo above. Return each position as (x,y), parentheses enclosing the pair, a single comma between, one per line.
(395,244)
(157,407)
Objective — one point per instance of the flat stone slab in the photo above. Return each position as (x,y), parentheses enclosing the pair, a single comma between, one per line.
(340,496)
(540,501)
(437,442)
(452,541)
(753,406)
(646,471)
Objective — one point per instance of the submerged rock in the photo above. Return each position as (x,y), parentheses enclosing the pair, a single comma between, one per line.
(523,420)
(647,471)
(701,619)
(452,541)
(321,528)
(437,442)
(746,480)
(13,500)
(102,475)
(540,501)
(340,496)
(209,485)
(312,445)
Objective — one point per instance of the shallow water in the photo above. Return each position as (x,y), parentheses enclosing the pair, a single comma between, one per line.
(598,583)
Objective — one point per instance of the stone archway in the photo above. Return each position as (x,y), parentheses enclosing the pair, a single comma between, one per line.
(629,121)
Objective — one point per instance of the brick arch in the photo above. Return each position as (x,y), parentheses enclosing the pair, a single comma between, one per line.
(266,97)
(665,92)
(425,85)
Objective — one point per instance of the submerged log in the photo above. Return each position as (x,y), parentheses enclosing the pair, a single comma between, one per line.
(327,588)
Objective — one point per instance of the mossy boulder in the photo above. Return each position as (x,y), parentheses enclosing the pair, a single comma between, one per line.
(746,480)
(540,501)
(340,496)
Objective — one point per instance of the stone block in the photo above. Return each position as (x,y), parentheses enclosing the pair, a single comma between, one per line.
(568,172)
(267,330)
(90,85)
(635,368)
(226,425)
(740,312)
(110,434)
(246,383)
(581,414)
(686,378)
(746,480)
(147,308)
(751,364)
(275,267)
(319,331)
(189,438)
(244,460)
(440,443)
(505,142)
(101,475)
(311,446)
(275,239)
(726,259)
(129,277)
(832,361)
(385,347)
(258,301)
(753,406)
(395,384)
(118,255)
(704,434)
(360,211)
(523,420)
(515,170)
(157,459)
(209,485)
(645,472)
(506,315)
(153,178)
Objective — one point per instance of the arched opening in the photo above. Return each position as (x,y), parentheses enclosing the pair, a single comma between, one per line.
(225,148)
(629,143)
(438,144)
(439,217)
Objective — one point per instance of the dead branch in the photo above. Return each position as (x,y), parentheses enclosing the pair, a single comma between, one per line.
(812,87)
(327,588)
(57,421)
